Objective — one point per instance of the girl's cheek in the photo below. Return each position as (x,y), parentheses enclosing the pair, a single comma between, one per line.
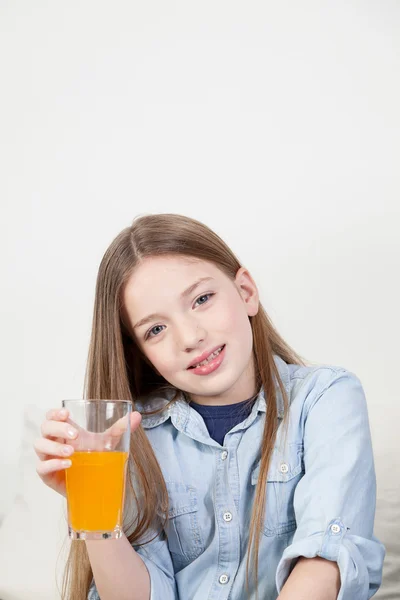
(226,319)
(160,358)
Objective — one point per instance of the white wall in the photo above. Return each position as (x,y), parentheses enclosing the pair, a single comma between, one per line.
(276,123)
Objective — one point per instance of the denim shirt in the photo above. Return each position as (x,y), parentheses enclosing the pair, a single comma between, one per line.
(320,499)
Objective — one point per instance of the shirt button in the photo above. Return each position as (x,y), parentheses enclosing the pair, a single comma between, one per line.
(224,454)
(335,529)
(224,578)
(228,516)
(284,468)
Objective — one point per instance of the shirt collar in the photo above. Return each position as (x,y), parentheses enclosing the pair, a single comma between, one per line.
(180,410)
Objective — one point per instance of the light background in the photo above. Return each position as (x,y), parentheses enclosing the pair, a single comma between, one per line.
(275,123)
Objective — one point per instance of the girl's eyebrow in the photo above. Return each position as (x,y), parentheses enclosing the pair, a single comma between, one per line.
(184,294)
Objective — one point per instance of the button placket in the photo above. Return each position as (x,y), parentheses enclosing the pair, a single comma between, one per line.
(229,530)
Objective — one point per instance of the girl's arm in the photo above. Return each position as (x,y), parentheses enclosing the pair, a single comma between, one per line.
(118,570)
(312,579)
(122,573)
(334,501)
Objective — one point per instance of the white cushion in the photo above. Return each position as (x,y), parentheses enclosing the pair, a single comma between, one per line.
(387,518)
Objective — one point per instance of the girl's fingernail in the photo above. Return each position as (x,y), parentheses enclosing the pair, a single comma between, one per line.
(71,433)
(62,412)
(66,463)
(67,450)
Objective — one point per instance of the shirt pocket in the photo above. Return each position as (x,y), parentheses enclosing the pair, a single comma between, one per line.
(183,530)
(285,471)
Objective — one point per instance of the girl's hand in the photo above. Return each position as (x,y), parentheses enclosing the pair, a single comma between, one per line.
(53,450)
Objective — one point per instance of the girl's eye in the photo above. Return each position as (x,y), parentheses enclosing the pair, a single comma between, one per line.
(148,334)
(150,331)
(204,296)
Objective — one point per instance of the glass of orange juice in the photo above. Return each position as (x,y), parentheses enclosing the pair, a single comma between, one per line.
(96,479)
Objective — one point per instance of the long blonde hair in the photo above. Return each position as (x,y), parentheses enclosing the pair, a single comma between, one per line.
(116,368)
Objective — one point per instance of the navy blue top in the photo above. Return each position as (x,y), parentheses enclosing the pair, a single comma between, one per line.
(221,419)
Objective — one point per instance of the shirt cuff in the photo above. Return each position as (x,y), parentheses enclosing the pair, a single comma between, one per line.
(359,559)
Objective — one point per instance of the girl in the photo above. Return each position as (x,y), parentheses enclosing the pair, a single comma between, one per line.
(241,455)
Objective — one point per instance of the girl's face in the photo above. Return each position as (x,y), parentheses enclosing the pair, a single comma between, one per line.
(181,327)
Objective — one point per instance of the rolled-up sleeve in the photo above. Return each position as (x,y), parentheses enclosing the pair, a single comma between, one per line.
(157,558)
(335,500)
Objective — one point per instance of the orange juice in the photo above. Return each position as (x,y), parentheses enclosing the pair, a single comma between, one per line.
(95,490)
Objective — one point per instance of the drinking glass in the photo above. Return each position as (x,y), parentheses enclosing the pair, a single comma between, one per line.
(96,479)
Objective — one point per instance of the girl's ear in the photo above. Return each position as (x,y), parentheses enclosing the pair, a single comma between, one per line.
(247,290)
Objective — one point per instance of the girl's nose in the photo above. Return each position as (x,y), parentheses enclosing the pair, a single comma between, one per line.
(191,334)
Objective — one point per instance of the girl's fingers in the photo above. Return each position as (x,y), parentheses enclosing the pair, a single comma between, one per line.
(50,466)
(44,447)
(136,418)
(58,429)
(112,436)
(55,432)
(119,428)
(57,414)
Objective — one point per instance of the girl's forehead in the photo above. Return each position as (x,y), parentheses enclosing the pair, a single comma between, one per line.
(162,278)
(173,265)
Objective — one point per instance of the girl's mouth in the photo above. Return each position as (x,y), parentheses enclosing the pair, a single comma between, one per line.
(211,365)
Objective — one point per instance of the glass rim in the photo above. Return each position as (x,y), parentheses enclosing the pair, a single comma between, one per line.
(96,400)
